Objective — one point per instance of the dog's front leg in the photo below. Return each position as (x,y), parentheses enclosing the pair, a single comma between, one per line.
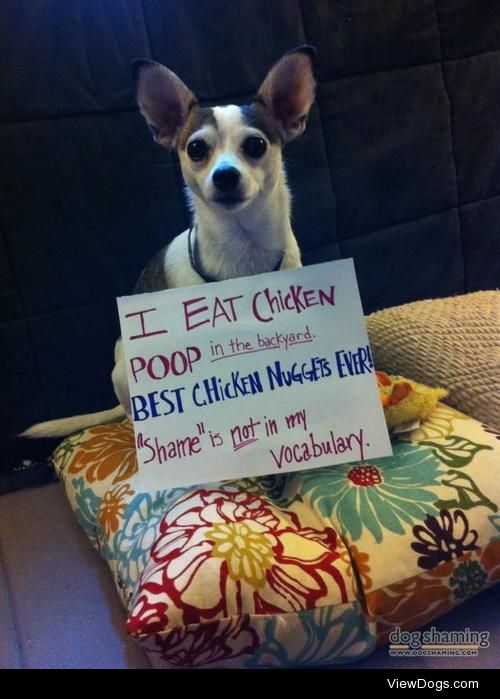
(119,378)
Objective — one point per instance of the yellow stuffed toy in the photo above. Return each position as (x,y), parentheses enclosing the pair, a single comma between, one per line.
(406,403)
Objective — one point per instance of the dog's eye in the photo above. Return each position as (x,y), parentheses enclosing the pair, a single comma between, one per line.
(197,150)
(254,146)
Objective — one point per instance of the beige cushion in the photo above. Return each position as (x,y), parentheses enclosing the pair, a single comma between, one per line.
(452,342)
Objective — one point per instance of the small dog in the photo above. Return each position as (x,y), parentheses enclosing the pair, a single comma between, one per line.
(236,184)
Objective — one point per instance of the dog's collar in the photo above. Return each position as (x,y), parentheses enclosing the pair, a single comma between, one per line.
(195,264)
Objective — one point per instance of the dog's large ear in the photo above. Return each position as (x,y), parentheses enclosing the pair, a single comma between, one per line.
(288,91)
(163,99)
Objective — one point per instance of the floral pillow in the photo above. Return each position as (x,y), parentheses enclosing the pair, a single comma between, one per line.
(308,568)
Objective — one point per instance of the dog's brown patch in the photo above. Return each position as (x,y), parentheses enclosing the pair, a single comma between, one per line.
(197,117)
(257,116)
(153,275)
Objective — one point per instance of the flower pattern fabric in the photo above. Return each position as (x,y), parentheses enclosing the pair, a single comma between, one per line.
(420,599)
(381,496)
(106,453)
(133,542)
(112,507)
(322,636)
(214,643)
(266,562)
(468,579)
(301,569)
(443,538)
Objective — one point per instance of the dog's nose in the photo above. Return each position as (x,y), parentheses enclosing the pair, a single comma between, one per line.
(226,178)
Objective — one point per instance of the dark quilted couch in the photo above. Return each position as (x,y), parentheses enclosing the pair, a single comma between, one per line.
(399,167)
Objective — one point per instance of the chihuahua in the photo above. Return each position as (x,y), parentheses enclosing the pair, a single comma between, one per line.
(231,161)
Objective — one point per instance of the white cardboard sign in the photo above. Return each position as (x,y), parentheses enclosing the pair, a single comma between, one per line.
(251,376)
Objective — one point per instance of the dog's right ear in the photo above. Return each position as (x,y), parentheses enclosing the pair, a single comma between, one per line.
(289,90)
(163,99)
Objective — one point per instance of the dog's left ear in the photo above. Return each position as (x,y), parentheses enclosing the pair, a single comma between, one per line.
(289,90)
(164,100)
